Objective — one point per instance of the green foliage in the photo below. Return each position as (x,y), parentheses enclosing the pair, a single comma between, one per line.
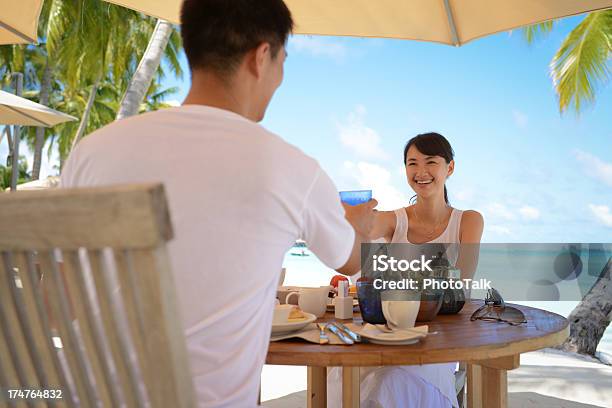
(533,32)
(6,173)
(581,64)
(84,42)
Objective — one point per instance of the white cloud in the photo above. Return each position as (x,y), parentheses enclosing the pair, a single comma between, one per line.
(463,195)
(498,229)
(378,179)
(362,140)
(595,167)
(520,118)
(529,213)
(173,102)
(318,47)
(401,170)
(498,210)
(602,213)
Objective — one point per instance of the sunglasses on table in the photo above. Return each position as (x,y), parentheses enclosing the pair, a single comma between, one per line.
(495,309)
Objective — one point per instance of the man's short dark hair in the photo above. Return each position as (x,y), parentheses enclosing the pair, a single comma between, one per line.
(218,33)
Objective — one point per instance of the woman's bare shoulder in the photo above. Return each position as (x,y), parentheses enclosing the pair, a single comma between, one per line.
(471,217)
(472,225)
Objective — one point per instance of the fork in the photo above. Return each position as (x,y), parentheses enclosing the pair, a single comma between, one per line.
(323,339)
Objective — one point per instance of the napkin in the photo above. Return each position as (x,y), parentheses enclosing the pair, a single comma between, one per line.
(311,333)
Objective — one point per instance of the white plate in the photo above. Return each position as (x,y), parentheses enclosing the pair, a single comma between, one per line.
(396,338)
(289,327)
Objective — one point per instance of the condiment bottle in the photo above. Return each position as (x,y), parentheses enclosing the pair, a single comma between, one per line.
(343,304)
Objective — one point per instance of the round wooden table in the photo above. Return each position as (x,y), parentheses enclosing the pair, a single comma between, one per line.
(488,348)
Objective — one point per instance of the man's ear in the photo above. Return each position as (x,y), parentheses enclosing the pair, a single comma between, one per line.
(451,168)
(257,59)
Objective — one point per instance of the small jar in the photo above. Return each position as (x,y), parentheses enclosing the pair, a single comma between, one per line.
(343,307)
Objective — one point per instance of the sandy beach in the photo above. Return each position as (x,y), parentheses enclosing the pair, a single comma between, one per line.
(546,378)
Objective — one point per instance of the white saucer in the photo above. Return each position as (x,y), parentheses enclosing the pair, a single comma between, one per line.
(396,338)
(289,327)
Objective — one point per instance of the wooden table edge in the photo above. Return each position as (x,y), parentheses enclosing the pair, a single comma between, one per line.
(370,358)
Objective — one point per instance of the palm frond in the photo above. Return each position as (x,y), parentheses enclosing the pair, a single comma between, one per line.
(536,31)
(580,66)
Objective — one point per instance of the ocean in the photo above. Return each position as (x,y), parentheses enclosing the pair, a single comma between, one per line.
(308,270)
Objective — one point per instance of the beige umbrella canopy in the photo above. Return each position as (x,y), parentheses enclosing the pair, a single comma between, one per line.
(15,110)
(454,22)
(169,10)
(19,20)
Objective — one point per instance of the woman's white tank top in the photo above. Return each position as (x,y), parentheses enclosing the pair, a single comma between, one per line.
(449,236)
(439,375)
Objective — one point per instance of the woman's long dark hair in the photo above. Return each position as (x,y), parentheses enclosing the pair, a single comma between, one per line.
(431,144)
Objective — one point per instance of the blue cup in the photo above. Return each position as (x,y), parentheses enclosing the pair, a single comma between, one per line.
(355,197)
(370,305)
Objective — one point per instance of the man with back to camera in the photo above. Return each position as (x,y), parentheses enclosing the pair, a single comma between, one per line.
(239,196)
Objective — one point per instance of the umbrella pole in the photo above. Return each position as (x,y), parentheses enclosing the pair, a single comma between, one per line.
(16,139)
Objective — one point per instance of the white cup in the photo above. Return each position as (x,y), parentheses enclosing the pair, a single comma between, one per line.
(400,314)
(281,314)
(311,300)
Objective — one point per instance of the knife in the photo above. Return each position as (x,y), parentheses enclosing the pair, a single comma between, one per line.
(348,331)
(338,333)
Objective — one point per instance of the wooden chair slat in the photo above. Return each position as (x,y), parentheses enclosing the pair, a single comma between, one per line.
(162,323)
(62,316)
(133,312)
(118,350)
(73,273)
(13,327)
(96,333)
(125,217)
(120,339)
(33,297)
(43,337)
(8,373)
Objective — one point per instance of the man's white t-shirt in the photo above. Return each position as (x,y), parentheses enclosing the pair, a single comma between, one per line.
(239,197)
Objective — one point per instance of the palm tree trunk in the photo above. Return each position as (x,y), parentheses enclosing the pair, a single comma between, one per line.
(589,320)
(147,67)
(40,131)
(9,139)
(85,118)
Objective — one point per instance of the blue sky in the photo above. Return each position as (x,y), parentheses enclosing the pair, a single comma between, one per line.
(536,175)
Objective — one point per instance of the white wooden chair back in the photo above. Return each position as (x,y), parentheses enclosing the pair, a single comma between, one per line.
(106,287)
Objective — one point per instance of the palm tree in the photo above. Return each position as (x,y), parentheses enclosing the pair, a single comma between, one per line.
(90,38)
(580,65)
(591,317)
(147,67)
(87,53)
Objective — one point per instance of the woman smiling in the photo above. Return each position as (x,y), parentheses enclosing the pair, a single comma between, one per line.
(429,161)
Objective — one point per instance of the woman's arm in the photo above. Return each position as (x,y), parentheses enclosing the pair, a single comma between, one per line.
(384,225)
(470,233)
